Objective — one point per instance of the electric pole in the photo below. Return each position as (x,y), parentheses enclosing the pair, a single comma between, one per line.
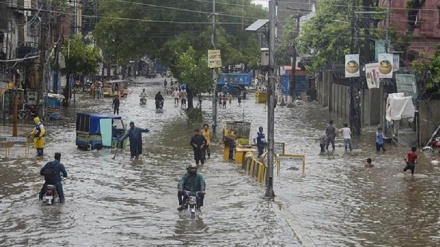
(214,76)
(271,102)
(43,46)
(293,63)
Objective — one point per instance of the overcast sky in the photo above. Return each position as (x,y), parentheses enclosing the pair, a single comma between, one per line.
(265,3)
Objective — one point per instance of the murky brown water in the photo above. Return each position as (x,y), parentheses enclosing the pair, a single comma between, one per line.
(124,203)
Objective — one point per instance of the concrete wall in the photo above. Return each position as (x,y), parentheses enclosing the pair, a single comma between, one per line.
(429,119)
(370,106)
(337,98)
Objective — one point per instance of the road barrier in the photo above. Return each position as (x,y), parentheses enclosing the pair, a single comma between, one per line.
(294,157)
(8,142)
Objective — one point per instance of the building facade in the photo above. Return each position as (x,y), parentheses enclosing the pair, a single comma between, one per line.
(425,28)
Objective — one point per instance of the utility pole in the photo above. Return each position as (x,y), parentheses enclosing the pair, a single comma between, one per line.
(381,86)
(43,45)
(352,87)
(214,76)
(271,102)
(293,63)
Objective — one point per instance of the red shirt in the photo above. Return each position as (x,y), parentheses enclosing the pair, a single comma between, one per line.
(411,157)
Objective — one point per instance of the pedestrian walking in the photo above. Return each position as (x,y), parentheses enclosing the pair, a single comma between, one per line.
(39,136)
(346,134)
(260,140)
(239,100)
(206,132)
(183,95)
(411,160)
(224,101)
(198,143)
(330,131)
(380,140)
(135,136)
(115,105)
(176,95)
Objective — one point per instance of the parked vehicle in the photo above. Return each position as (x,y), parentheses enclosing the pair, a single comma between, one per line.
(234,83)
(97,131)
(116,87)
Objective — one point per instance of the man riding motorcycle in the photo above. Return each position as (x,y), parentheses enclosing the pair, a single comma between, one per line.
(52,175)
(143,96)
(159,100)
(191,181)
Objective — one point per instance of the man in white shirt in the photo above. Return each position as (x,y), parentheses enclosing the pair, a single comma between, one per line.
(176,95)
(346,134)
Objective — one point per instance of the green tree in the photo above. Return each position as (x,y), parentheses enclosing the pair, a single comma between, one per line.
(194,72)
(80,59)
(427,71)
(326,37)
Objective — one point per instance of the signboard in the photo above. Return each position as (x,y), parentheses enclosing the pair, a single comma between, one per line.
(15,139)
(372,75)
(406,83)
(352,65)
(214,59)
(278,147)
(242,79)
(385,65)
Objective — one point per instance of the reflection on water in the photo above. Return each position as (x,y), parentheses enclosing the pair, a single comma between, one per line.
(127,203)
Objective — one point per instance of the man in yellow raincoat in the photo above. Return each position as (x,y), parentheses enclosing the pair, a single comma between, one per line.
(39,136)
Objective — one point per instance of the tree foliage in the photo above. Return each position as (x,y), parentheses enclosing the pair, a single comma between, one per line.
(129,30)
(81,59)
(427,70)
(194,71)
(326,37)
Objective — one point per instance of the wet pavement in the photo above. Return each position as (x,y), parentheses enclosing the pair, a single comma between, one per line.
(133,203)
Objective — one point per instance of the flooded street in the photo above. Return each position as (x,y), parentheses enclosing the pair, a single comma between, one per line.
(133,203)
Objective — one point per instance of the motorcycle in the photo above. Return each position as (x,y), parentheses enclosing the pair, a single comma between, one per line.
(159,104)
(191,203)
(28,110)
(143,100)
(50,195)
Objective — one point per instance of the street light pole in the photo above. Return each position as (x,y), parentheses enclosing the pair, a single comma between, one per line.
(214,76)
(271,102)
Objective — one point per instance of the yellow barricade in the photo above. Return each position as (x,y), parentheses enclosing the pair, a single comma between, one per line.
(294,156)
(254,167)
(11,141)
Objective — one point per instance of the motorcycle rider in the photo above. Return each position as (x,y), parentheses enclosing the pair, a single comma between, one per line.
(143,96)
(52,175)
(191,181)
(158,98)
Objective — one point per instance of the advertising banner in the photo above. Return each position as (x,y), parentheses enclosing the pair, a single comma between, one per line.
(372,75)
(214,59)
(352,65)
(385,65)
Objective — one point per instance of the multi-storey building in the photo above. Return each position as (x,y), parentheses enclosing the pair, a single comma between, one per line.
(425,25)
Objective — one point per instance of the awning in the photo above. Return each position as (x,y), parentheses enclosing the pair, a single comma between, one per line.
(257,25)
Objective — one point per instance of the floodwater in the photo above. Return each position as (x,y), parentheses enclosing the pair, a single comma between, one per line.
(133,203)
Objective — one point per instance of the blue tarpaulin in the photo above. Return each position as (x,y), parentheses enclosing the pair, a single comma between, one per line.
(301,84)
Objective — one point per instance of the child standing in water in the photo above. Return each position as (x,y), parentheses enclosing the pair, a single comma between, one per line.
(379,140)
(411,160)
(322,142)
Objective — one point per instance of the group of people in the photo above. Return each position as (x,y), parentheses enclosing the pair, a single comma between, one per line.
(96,89)
(330,134)
(180,95)
(331,131)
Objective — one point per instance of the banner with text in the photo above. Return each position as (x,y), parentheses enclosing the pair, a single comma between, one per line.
(372,75)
